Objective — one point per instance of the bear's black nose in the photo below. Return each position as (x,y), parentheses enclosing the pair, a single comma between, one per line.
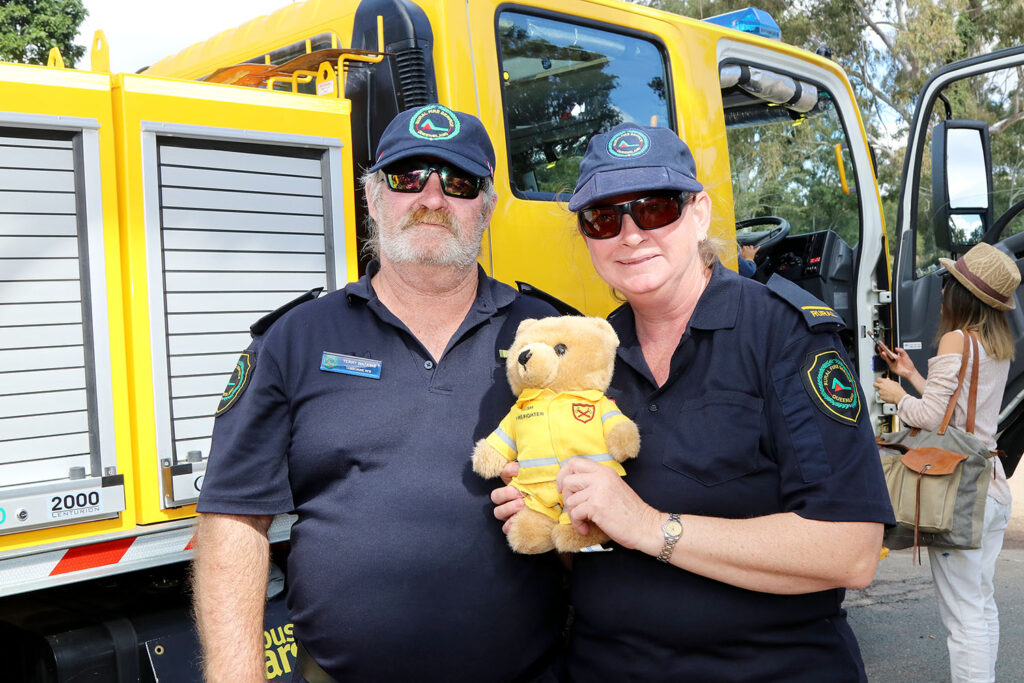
(524,357)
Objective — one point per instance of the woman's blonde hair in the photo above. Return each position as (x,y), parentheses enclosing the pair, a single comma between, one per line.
(961,310)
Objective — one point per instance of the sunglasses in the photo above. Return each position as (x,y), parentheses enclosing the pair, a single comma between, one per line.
(413,176)
(649,213)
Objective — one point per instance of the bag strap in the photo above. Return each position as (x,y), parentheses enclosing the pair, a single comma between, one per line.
(972,398)
(965,355)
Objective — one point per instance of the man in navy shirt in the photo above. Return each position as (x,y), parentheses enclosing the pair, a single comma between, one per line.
(358,412)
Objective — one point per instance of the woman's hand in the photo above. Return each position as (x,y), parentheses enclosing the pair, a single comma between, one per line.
(898,361)
(890,391)
(595,493)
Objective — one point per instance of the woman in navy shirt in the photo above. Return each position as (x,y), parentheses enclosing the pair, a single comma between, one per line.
(758,495)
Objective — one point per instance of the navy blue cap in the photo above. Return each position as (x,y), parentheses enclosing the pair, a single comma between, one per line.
(437,131)
(633,158)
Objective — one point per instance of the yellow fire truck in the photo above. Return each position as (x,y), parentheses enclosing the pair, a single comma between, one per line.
(147,220)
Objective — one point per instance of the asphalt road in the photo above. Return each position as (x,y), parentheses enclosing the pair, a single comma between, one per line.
(897,622)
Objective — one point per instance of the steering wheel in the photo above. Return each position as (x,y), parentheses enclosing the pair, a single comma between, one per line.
(776,228)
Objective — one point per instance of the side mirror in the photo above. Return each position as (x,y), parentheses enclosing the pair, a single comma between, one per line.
(961,183)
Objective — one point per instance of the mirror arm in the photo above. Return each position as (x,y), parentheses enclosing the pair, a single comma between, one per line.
(945,102)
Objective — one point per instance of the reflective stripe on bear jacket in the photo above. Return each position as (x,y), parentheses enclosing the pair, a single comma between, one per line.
(544,429)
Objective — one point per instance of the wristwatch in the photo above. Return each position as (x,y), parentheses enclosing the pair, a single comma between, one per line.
(672,530)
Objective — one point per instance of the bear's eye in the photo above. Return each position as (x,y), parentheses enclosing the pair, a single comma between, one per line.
(560,349)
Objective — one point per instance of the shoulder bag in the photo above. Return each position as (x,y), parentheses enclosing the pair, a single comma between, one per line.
(938,480)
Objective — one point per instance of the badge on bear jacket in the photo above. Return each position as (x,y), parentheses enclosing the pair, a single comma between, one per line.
(831,385)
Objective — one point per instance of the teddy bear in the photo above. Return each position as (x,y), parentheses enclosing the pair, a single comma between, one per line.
(559,368)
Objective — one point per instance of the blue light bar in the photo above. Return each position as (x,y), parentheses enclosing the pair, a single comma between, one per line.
(749,20)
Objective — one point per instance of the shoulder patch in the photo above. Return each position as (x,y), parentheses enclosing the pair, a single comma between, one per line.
(831,386)
(527,289)
(264,323)
(816,314)
(238,382)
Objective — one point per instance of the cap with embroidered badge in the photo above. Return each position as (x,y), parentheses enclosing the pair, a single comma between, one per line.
(988,274)
(634,158)
(437,131)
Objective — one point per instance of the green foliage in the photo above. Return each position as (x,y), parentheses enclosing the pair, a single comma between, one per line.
(29,28)
(889,48)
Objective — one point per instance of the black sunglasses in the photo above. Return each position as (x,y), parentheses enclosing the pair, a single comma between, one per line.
(649,213)
(412,176)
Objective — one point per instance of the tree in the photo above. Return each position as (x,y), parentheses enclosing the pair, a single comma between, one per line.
(889,48)
(29,28)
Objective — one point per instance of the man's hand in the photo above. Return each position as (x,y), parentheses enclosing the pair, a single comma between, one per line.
(749,251)
(507,500)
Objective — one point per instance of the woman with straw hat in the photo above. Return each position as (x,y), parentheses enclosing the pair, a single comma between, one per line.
(976,292)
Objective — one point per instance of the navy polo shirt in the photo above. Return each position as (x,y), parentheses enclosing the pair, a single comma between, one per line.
(735,432)
(398,570)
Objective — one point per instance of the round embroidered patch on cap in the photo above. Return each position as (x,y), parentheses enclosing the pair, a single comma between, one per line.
(629,143)
(434,122)
(831,386)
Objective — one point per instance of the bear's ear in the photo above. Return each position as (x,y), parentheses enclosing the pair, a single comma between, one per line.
(605,330)
(525,324)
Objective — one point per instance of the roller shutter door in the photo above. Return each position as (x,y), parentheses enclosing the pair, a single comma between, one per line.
(45,379)
(243,230)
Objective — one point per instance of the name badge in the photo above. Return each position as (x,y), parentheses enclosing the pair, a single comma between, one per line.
(350,365)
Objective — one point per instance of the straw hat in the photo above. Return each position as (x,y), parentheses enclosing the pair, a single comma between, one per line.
(988,273)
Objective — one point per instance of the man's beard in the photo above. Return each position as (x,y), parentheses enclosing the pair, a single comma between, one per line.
(400,243)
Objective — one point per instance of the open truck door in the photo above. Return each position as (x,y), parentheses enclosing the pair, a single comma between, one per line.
(961,173)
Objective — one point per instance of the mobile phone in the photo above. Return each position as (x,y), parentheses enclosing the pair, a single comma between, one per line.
(880,344)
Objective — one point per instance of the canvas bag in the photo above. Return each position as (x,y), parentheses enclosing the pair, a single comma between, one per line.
(938,480)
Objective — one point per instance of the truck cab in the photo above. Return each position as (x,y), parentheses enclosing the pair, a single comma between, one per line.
(960,187)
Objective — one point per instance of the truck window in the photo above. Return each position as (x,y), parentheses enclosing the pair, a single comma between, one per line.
(789,161)
(794,187)
(991,97)
(563,84)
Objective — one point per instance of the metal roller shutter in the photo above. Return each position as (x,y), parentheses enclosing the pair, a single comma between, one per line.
(44,381)
(243,230)
(57,457)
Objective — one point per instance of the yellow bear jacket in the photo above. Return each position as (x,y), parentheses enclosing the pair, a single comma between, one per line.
(544,429)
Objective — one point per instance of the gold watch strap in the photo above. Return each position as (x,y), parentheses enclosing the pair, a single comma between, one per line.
(672,530)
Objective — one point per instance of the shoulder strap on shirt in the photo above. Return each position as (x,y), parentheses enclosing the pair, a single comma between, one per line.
(816,314)
(527,289)
(263,324)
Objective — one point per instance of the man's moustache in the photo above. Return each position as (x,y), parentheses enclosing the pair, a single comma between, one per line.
(436,216)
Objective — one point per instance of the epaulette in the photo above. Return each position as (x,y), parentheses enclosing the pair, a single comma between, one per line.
(264,323)
(527,289)
(817,315)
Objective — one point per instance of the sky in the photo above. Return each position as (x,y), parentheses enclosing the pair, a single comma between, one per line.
(140,32)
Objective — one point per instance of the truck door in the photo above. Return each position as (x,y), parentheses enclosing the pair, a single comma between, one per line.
(233,207)
(62,461)
(961,186)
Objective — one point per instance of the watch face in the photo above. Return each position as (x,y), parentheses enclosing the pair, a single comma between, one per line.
(672,528)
